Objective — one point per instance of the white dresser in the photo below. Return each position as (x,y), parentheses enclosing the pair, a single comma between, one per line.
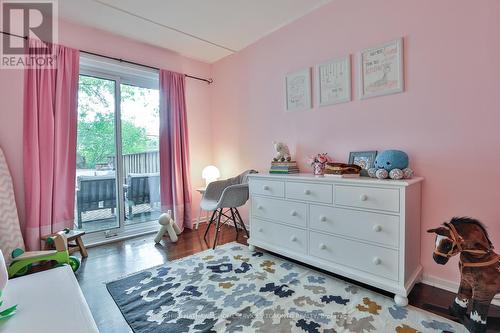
(364,229)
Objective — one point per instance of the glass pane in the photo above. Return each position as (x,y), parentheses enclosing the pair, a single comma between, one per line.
(96,189)
(140,121)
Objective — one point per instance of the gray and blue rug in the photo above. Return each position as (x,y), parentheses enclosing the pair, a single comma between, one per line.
(232,289)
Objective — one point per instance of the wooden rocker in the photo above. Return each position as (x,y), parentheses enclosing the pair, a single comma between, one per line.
(22,261)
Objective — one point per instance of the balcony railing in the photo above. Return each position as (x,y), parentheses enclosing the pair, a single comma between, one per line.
(95,207)
(147,162)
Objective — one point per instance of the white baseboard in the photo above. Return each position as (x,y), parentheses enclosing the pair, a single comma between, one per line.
(448,285)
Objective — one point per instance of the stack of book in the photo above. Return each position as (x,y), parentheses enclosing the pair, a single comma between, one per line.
(284,167)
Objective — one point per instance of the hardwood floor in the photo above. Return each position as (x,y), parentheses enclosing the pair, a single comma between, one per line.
(113,261)
(110,262)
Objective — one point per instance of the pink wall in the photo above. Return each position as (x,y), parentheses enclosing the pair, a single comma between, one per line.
(447,119)
(198,98)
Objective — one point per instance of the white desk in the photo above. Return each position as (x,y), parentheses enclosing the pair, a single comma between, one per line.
(47,302)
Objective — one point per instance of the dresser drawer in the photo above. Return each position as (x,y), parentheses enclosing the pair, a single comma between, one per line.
(280,236)
(284,211)
(372,227)
(267,187)
(367,197)
(369,258)
(309,192)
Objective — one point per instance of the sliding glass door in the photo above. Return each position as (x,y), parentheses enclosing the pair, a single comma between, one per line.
(140,132)
(96,178)
(118,169)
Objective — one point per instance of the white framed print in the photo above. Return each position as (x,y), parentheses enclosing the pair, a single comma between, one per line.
(334,81)
(298,90)
(381,69)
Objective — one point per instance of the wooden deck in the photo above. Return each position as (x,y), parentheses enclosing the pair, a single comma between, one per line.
(106,220)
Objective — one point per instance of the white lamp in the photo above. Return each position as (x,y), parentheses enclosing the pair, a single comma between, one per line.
(210,173)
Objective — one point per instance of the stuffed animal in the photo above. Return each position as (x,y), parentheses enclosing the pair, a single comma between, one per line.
(392,164)
(282,152)
(479,269)
(169,226)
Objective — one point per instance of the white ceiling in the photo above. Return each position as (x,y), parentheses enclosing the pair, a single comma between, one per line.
(206,30)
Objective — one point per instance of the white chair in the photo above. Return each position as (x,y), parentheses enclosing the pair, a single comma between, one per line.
(226,195)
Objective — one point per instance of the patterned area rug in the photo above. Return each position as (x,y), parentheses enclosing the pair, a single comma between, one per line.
(233,289)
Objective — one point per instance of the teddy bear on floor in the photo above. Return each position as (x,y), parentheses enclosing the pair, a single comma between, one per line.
(391,164)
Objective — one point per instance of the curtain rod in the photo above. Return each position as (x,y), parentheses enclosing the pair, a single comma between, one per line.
(209,81)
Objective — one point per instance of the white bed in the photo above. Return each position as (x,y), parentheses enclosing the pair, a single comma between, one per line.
(48,302)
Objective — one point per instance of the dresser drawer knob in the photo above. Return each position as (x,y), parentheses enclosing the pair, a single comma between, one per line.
(307,192)
(377,228)
(293,213)
(260,230)
(322,246)
(293,239)
(377,261)
(363,197)
(259,207)
(322,218)
(265,187)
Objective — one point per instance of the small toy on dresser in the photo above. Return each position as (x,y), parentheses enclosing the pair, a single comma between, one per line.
(391,164)
(282,162)
(282,152)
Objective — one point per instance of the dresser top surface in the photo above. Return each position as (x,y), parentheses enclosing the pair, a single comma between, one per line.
(333,179)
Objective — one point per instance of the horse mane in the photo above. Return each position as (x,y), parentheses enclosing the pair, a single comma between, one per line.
(457,221)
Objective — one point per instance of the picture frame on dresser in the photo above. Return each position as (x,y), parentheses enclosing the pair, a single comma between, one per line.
(359,228)
(298,90)
(381,69)
(334,81)
(363,159)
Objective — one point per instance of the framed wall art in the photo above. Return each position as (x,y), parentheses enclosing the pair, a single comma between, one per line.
(334,81)
(381,70)
(298,90)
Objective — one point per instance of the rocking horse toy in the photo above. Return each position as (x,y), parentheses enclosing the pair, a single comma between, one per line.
(479,268)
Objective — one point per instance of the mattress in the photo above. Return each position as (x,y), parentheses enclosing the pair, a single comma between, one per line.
(47,302)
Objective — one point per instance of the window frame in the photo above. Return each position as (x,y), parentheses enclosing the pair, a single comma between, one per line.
(134,75)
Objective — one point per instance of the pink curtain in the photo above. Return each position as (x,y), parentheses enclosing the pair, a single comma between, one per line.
(175,181)
(50,119)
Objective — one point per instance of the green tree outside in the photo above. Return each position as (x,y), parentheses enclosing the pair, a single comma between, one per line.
(96,123)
